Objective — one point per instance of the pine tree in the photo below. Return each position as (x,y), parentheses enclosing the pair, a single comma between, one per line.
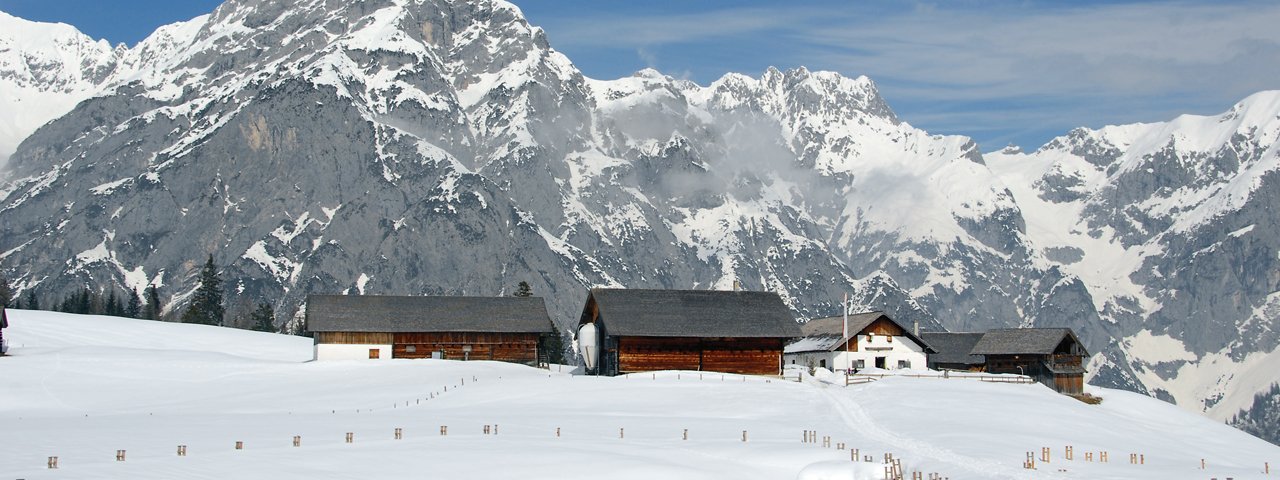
(152,310)
(32,303)
(113,304)
(84,302)
(206,305)
(264,318)
(134,307)
(523,290)
(6,293)
(553,344)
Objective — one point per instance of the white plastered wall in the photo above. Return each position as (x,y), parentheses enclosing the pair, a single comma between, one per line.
(893,349)
(333,351)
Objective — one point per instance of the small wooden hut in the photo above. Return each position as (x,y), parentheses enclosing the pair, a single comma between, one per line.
(506,329)
(1052,356)
(720,331)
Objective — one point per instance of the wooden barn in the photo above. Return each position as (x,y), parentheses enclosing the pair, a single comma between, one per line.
(1053,356)
(373,327)
(953,351)
(719,331)
(874,341)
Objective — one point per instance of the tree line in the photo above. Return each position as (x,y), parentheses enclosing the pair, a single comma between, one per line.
(206,305)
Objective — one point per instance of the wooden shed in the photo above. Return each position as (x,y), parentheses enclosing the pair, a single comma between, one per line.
(953,351)
(720,331)
(874,341)
(506,329)
(1053,356)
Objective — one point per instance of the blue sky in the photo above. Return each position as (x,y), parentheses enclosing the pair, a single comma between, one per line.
(999,71)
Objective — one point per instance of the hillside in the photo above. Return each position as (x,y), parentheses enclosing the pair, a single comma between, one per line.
(82,387)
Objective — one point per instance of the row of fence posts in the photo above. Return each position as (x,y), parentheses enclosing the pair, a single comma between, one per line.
(1134,458)
(893,467)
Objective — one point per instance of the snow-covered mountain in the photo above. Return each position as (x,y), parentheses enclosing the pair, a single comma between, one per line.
(442,147)
(46,69)
(1171,227)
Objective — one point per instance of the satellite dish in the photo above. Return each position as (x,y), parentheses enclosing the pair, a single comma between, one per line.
(589,345)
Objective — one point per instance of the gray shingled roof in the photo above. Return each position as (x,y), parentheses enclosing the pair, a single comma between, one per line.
(693,313)
(376,313)
(954,347)
(1017,341)
(825,334)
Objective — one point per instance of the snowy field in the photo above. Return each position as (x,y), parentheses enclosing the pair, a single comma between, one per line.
(83,387)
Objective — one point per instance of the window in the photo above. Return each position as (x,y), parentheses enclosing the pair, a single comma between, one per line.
(822,363)
(870,337)
(904,363)
(374,353)
(860,364)
(411,349)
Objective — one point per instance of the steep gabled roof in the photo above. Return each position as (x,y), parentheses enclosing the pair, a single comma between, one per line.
(692,313)
(1023,341)
(377,313)
(827,334)
(954,348)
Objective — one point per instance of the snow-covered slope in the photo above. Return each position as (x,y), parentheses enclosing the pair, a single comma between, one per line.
(81,388)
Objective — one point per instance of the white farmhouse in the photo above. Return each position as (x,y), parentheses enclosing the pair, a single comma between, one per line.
(874,341)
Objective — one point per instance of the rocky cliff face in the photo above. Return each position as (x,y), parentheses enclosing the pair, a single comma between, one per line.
(439,147)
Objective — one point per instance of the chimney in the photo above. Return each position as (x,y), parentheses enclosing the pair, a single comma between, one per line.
(917,328)
(737,285)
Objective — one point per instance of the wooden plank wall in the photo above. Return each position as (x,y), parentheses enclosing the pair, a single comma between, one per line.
(354,338)
(756,356)
(505,347)
(644,354)
(883,327)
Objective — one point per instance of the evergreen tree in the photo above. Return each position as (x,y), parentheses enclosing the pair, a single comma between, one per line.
(84,302)
(263,318)
(32,303)
(152,310)
(134,307)
(523,290)
(113,304)
(206,305)
(6,293)
(553,344)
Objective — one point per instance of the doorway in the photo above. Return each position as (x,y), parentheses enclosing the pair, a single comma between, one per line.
(880,362)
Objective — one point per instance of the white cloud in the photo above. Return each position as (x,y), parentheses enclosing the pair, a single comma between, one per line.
(985,69)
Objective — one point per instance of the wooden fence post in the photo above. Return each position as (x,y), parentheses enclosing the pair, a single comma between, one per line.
(685,435)
(1102,456)
(557,432)
(1133,459)
(444,430)
(182,450)
(621,433)
(1044,454)
(297,440)
(53,463)
(486,429)
(1088,456)
(119,455)
(239,445)
(399,433)
(1070,453)
(744,436)
(1030,462)
(351,437)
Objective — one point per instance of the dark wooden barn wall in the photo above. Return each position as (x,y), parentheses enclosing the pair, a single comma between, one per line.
(755,356)
(354,338)
(506,347)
